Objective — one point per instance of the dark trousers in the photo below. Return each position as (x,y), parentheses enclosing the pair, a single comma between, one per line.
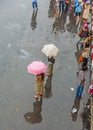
(61,6)
(84,63)
(34,5)
(66,8)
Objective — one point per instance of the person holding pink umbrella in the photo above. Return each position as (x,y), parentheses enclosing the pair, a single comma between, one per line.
(39,87)
(38,68)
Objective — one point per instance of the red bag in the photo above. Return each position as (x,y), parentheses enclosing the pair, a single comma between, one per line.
(80,58)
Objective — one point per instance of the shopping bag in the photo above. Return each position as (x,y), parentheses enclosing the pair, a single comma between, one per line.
(80,58)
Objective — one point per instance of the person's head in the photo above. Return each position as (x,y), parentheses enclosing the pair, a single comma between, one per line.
(79,1)
(85,26)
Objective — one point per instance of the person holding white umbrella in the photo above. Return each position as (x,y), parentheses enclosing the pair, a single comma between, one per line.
(51,62)
(50,51)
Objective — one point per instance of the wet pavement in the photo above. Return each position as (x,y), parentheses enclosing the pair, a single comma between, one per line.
(22,36)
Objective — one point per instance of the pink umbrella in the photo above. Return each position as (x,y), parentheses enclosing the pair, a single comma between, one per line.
(36,67)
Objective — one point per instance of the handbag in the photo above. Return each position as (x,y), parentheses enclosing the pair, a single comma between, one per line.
(80,59)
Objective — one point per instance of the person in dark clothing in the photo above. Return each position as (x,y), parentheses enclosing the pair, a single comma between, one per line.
(83,33)
(51,61)
(61,5)
(85,55)
(67,2)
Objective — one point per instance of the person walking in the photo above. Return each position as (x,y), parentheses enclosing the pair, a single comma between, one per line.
(39,87)
(80,83)
(78,10)
(61,6)
(51,61)
(67,3)
(85,55)
(34,5)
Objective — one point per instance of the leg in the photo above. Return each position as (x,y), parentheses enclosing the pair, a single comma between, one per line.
(80,91)
(63,5)
(66,9)
(36,91)
(36,5)
(77,91)
(60,6)
(33,5)
(84,64)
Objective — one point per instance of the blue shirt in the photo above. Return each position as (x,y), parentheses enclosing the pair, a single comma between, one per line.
(78,8)
(34,0)
(75,2)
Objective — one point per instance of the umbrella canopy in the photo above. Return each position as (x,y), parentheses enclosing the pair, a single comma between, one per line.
(36,67)
(50,50)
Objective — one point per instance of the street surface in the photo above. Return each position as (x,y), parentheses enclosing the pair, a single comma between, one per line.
(21,42)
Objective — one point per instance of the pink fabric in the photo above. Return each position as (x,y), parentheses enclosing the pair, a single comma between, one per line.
(37,67)
(85,25)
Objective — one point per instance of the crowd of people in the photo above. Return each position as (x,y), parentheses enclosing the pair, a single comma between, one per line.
(83,55)
(80,10)
(39,79)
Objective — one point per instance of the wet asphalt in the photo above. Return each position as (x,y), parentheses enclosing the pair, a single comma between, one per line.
(22,36)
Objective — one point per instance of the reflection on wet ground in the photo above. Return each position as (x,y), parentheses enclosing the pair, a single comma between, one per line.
(19,45)
(33,20)
(75,108)
(66,22)
(71,26)
(48,87)
(51,10)
(35,116)
(59,23)
(85,115)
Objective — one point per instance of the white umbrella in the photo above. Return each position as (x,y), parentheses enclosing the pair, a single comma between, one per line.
(50,50)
